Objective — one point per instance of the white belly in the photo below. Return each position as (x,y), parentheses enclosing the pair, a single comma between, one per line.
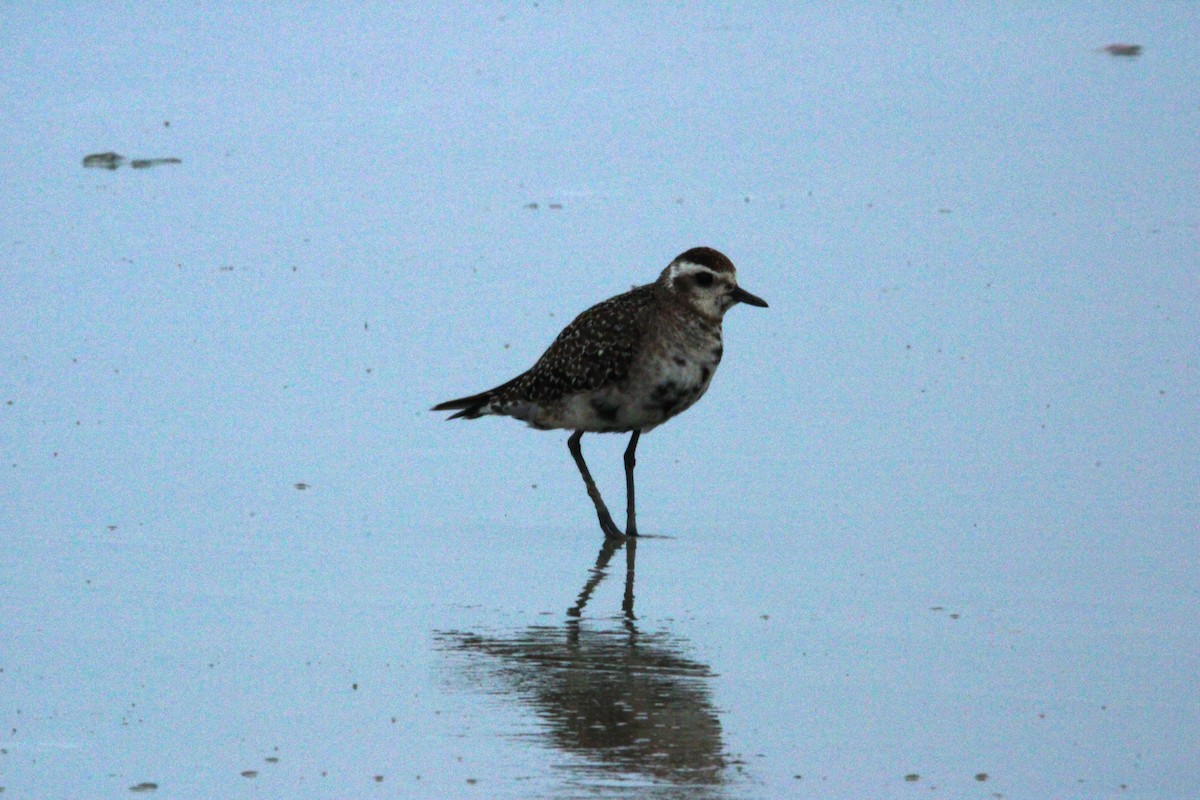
(657,391)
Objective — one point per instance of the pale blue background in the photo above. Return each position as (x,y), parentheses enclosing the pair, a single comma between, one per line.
(977,390)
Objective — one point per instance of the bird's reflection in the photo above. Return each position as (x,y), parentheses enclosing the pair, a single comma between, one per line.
(600,571)
(632,706)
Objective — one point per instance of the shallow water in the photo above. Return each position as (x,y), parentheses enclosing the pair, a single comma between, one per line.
(932,531)
(459,660)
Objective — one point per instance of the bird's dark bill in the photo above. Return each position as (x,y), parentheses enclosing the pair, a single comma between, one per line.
(742,296)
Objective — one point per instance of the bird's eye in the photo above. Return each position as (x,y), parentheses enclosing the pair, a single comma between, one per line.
(704,279)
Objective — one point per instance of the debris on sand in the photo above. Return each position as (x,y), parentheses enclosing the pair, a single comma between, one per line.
(142,163)
(112,160)
(1118,49)
(103,161)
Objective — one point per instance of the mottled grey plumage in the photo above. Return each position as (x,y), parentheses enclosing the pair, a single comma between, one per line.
(595,350)
(627,364)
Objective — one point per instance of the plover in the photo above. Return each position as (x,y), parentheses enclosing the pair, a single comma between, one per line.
(625,365)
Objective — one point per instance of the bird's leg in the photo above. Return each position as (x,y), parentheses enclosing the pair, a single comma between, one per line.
(630,462)
(627,602)
(606,521)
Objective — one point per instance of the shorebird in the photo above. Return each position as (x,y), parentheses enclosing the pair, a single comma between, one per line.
(625,365)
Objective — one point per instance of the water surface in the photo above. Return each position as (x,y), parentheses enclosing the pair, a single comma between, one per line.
(932,531)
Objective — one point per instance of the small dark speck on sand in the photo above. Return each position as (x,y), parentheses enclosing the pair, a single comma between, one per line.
(302,486)
(143,163)
(103,160)
(145,786)
(1120,49)
(249,773)
(981,776)
(912,777)
(379,779)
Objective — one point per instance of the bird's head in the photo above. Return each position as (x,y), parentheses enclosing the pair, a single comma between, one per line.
(706,280)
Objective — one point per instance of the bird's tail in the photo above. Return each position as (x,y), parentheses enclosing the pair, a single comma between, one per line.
(472,407)
(477,405)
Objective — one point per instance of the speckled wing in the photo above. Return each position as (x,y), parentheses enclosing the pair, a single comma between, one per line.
(595,350)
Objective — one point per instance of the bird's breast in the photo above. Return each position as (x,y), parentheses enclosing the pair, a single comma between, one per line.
(675,374)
